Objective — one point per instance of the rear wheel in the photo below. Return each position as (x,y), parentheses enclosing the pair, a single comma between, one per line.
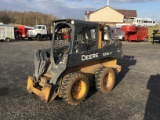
(105,79)
(7,39)
(75,88)
(29,38)
(146,39)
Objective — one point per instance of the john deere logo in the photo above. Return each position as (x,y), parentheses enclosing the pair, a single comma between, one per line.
(89,57)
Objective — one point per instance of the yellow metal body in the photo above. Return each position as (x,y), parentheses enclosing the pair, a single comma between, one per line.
(79,89)
(89,68)
(43,92)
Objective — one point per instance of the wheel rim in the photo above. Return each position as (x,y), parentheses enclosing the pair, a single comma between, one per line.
(79,89)
(108,81)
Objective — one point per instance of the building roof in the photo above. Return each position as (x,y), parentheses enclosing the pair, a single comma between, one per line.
(126,13)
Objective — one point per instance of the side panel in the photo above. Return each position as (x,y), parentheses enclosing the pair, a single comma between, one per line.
(113,50)
(91,67)
(6,32)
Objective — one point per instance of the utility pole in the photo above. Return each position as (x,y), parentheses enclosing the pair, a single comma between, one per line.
(107,2)
(22,19)
(36,19)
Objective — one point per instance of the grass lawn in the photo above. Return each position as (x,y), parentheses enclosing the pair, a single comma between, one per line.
(150,31)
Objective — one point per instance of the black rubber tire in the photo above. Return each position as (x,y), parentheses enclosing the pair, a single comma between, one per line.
(29,38)
(19,36)
(69,88)
(7,39)
(39,37)
(146,39)
(105,79)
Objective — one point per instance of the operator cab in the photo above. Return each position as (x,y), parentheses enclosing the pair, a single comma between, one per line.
(78,37)
(74,36)
(77,34)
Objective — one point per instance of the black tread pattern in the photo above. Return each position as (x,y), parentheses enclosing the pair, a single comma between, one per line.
(98,75)
(98,78)
(67,82)
(39,37)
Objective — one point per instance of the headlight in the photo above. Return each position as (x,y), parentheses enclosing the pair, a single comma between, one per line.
(72,22)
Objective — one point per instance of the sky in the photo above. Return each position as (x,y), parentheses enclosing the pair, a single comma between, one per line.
(76,8)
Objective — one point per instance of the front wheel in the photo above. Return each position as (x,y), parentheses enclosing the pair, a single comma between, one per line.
(39,37)
(75,88)
(105,79)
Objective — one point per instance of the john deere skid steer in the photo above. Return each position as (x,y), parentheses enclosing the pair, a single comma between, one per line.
(81,54)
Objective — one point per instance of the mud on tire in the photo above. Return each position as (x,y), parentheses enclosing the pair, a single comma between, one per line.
(105,79)
(74,88)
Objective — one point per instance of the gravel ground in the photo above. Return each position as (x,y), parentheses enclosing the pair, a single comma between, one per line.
(136,95)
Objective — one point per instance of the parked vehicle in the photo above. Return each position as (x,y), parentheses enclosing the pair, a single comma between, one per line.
(6,32)
(135,33)
(117,33)
(145,22)
(21,31)
(39,32)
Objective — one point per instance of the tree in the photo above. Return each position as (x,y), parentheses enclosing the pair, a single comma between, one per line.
(4,18)
(28,18)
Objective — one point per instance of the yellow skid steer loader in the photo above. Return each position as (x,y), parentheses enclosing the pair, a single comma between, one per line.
(81,53)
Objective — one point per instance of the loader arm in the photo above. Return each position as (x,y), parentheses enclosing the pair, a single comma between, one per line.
(40,62)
